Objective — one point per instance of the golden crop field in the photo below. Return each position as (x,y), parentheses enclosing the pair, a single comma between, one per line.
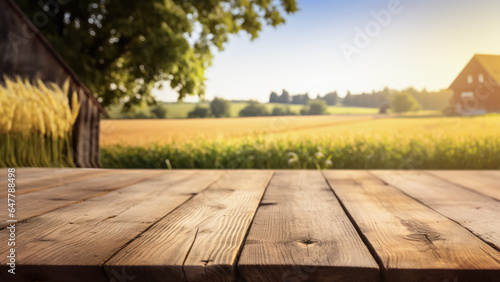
(146,132)
(362,142)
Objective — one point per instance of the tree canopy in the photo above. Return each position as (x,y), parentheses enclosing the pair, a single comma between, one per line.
(254,109)
(315,107)
(123,49)
(404,102)
(220,107)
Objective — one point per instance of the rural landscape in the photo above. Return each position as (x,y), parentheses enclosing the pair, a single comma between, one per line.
(388,129)
(317,142)
(151,108)
(249,141)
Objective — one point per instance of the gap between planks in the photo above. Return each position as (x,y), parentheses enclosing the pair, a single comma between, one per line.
(217,220)
(413,241)
(48,200)
(301,232)
(76,240)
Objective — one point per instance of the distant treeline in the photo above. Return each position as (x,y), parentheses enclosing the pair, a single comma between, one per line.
(434,100)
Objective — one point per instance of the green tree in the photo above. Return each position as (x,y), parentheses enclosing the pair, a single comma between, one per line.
(199,112)
(284,98)
(122,49)
(314,107)
(254,109)
(404,102)
(282,111)
(159,111)
(331,98)
(220,107)
(273,97)
(300,99)
(140,115)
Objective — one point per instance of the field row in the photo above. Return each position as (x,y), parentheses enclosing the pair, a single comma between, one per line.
(316,143)
(145,132)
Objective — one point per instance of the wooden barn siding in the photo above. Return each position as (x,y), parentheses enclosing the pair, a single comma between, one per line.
(30,57)
(95,137)
(486,94)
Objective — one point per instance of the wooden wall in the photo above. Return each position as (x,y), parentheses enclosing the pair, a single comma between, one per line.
(486,94)
(26,53)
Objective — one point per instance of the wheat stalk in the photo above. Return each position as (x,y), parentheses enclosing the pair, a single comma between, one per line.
(36,121)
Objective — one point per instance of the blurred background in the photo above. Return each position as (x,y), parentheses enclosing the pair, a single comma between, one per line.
(251,84)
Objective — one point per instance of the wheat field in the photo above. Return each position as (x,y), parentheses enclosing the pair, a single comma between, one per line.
(164,131)
(35,123)
(317,142)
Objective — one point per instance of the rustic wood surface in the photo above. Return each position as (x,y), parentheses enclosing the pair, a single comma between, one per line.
(300,222)
(407,236)
(253,225)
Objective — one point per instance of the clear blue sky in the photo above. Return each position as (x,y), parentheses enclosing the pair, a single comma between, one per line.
(424,44)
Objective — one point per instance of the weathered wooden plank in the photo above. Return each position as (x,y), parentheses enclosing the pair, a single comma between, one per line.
(87,145)
(96,136)
(53,178)
(476,212)
(73,242)
(40,202)
(413,242)
(31,172)
(300,232)
(200,240)
(77,130)
(92,133)
(484,182)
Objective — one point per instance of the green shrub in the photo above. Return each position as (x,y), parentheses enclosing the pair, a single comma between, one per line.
(199,112)
(254,109)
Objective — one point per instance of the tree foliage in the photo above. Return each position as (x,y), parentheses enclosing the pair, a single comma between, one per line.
(199,112)
(254,109)
(273,97)
(123,49)
(404,102)
(331,98)
(429,100)
(300,99)
(220,107)
(159,111)
(282,111)
(315,107)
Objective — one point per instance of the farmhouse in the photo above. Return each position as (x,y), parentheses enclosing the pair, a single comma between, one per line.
(477,87)
(24,52)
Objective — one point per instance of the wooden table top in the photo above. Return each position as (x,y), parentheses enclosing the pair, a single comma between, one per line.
(252,225)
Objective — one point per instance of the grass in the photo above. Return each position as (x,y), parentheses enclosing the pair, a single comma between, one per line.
(181,110)
(311,142)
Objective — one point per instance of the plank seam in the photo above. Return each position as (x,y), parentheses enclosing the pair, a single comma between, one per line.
(82,200)
(365,240)
(238,255)
(155,223)
(189,250)
(429,207)
(50,186)
(459,185)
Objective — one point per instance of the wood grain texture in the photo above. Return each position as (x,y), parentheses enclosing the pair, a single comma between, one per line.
(31,172)
(40,202)
(53,178)
(413,242)
(301,232)
(484,182)
(201,239)
(478,213)
(73,242)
